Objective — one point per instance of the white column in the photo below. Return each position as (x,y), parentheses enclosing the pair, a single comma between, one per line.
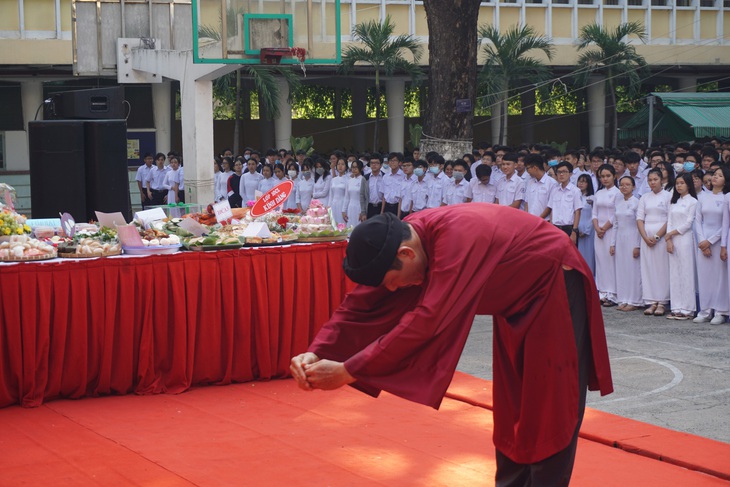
(197,137)
(596,112)
(282,123)
(495,120)
(31,93)
(395,97)
(687,84)
(162,109)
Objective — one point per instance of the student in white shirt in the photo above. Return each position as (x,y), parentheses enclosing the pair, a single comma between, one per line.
(480,189)
(250,182)
(393,184)
(292,173)
(268,181)
(538,187)
(417,192)
(375,185)
(455,191)
(511,190)
(565,202)
(221,179)
(322,181)
(632,160)
(404,205)
(172,181)
(436,182)
(155,181)
(305,186)
(141,177)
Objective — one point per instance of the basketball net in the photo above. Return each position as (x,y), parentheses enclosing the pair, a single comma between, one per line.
(301,55)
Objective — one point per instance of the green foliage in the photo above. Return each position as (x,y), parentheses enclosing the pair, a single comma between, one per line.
(560,101)
(415,131)
(314,101)
(302,143)
(508,68)
(412,106)
(381,50)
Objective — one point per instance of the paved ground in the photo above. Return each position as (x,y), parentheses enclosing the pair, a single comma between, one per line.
(674,374)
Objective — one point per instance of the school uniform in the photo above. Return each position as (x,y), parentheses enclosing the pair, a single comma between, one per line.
(537,194)
(711,271)
(305,192)
(653,211)
(682,261)
(249,185)
(393,190)
(604,210)
(455,193)
(156,179)
(405,196)
(220,191)
(418,195)
(563,203)
(510,190)
(626,238)
(375,193)
(321,189)
(142,176)
(480,192)
(436,189)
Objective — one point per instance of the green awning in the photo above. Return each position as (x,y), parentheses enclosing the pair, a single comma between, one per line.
(682,117)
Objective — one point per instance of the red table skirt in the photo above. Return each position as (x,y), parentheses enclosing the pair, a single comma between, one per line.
(160,324)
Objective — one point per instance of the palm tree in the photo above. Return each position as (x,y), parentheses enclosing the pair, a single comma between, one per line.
(616,59)
(507,64)
(384,54)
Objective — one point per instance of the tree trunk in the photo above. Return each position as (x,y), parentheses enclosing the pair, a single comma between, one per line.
(237,123)
(614,116)
(377,110)
(452,62)
(503,120)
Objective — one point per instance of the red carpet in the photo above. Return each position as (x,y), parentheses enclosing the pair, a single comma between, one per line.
(273,434)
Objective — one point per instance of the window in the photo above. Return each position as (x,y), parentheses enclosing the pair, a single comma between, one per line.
(610,2)
(707,3)
(636,3)
(659,3)
(585,2)
(684,3)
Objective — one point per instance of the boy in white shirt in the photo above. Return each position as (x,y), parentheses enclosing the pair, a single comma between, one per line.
(539,187)
(480,189)
(511,190)
(436,181)
(416,198)
(565,202)
(393,184)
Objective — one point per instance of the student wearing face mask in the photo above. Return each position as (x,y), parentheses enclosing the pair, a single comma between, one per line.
(322,182)
(305,186)
(404,205)
(234,184)
(436,180)
(292,174)
(417,196)
(455,192)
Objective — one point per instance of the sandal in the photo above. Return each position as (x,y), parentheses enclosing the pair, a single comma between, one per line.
(608,304)
(629,307)
(680,316)
(660,310)
(621,307)
(650,310)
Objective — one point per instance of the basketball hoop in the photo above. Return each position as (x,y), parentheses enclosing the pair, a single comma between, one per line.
(273,55)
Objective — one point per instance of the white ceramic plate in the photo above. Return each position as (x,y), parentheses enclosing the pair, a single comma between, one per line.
(158,249)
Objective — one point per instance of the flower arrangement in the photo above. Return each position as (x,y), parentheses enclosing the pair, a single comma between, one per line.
(12,223)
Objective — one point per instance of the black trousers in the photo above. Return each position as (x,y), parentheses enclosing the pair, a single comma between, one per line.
(556,470)
(392,208)
(566,228)
(373,209)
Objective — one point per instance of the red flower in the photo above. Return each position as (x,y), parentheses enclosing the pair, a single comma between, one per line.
(282,221)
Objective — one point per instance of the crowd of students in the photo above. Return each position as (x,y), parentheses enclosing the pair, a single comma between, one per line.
(652,224)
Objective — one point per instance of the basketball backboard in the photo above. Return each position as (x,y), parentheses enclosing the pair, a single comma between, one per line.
(266,31)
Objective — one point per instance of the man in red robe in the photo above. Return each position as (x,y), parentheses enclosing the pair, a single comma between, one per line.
(422,281)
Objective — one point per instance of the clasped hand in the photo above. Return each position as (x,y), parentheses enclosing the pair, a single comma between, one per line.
(311,372)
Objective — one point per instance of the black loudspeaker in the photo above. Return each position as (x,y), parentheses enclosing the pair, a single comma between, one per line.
(57,168)
(107,175)
(98,103)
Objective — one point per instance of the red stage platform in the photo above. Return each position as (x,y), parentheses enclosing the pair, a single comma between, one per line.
(273,434)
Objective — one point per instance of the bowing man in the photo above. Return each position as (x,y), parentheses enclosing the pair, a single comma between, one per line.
(394,332)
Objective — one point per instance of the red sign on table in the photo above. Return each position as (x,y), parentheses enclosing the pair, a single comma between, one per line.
(272,199)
